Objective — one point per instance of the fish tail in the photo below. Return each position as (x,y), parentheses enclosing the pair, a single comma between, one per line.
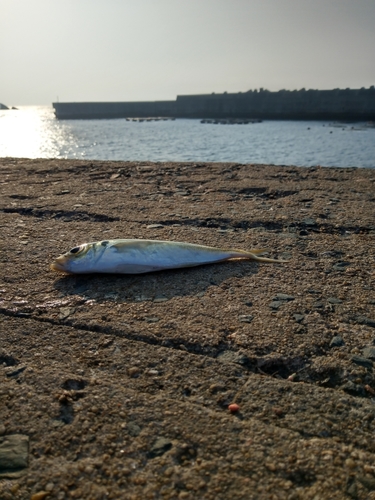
(255,254)
(265,259)
(258,251)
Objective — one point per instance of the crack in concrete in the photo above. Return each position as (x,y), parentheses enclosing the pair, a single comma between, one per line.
(67,215)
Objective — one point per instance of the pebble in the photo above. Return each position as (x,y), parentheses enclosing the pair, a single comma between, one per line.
(275,304)
(154,226)
(160,446)
(283,296)
(309,222)
(153,372)
(233,357)
(336,341)
(353,389)
(13,372)
(133,429)
(133,371)
(151,319)
(299,317)
(334,300)
(340,266)
(359,360)
(13,452)
(40,495)
(65,312)
(369,352)
(363,320)
(233,408)
(245,318)
(318,305)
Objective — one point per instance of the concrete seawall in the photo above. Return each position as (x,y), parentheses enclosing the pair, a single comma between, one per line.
(337,104)
(119,386)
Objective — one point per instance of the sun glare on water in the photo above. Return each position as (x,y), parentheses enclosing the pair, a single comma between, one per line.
(29,132)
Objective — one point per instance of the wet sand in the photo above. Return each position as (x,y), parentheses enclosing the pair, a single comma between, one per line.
(118,387)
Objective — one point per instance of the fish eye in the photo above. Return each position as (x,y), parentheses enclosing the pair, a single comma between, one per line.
(75,250)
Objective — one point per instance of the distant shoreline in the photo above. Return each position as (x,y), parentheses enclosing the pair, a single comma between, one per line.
(336,104)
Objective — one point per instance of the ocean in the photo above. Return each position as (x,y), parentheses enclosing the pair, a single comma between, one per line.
(34,132)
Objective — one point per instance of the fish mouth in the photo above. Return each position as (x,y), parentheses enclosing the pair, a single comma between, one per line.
(58,266)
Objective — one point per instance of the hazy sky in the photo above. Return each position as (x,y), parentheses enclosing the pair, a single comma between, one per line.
(112,50)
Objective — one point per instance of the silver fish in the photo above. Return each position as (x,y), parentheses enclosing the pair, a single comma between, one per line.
(143,256)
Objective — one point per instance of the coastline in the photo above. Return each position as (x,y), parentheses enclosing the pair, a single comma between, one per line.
(120,385)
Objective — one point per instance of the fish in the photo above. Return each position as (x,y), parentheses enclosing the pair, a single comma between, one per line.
(137,256)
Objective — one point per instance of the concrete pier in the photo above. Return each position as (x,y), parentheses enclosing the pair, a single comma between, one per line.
(336,104)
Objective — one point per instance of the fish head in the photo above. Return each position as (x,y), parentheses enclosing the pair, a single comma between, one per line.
(80,259)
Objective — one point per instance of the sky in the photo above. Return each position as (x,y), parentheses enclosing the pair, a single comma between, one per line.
(136,50)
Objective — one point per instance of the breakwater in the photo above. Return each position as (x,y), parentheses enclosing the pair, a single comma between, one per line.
(336,104)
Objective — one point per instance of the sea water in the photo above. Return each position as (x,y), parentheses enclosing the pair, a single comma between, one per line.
(34,132)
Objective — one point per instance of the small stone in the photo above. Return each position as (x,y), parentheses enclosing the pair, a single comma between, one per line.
(154,226)
(283,296)
(245,318)
(13,372)
(299,317)
(233,357)
(14,452)
(334,300)
(318,305)
(363,320)
(133,371)
(160,446)
(275,304)
(336,341)
(349,462)
(279,412)
(40,495)
(151,319)
(353,389)
(233,408)
(341,266)
(359,360)
(369,352)
(309,222)
(65,312)
(133,429)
